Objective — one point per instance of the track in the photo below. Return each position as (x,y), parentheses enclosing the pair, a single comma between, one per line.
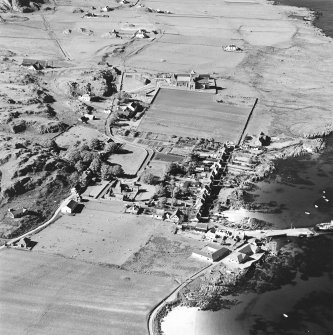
(54,37)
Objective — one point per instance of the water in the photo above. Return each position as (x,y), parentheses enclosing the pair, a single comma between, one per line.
(305,290)
(325,7)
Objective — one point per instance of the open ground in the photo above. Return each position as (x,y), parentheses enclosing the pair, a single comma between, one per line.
(101,233)
(194,114)
(48,294)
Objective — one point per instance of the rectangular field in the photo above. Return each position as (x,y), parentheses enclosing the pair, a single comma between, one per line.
(194,114)
(101,233)
(49,294)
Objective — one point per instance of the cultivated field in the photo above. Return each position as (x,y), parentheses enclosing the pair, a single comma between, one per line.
(102,233)
(194,114)
(48,294)
(130,158)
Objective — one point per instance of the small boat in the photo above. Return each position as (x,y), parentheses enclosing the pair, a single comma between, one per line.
(325,226)
(324,192)
(327,200)
(316,206)
(285,315)
(307,213)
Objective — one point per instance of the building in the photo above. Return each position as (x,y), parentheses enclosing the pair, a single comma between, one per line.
(132,209)
(70,208)
(90,116)
(174,217)
(185,80)
(202,81)
(25,243)
(17,213)
(202,227)
(85,97)
(34,63)
(159,214)
(211,252)
(141,34)
(231,48)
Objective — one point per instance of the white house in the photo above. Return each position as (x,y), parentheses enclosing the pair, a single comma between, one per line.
(70,207)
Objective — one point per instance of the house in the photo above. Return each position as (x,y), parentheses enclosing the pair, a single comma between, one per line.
(85,97)
(17,213)
(212,252)
(128,111)
(133,209)
(231,48)
(159,214)
(202,81)
(70,207)
(90,116)
(106,9)
(141,34)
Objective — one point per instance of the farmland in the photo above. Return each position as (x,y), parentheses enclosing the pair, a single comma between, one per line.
(102,233)
(194,114)
(49,294)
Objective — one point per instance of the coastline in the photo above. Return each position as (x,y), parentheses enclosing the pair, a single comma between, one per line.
(310,16)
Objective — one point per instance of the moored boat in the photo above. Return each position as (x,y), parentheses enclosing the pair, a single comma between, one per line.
(325,226)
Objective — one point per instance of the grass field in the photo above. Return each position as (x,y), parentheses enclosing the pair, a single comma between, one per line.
(48,294)
(131,159)
(194,114)
(100,234)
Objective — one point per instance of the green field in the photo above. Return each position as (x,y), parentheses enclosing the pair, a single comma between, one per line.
(194,114)
(49,294)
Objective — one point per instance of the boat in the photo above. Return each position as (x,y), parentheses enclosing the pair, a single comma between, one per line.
(285,315)
(325,226)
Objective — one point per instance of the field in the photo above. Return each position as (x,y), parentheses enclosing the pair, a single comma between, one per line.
(130,158)
(48,294)
(194,114)
(101,233)
(79,133)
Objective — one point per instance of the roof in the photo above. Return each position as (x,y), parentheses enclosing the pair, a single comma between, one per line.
(28,62)
(72,204)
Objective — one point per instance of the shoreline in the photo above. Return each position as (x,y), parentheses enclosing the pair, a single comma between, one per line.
(312,16)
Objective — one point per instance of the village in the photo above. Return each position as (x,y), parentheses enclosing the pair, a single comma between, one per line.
(183,181)
(133,135)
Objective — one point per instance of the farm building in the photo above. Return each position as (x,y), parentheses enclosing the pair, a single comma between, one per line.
(211,252)
(70,208)
(25,243)
(36,64)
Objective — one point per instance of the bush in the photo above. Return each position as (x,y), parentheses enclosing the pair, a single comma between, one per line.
(148,178)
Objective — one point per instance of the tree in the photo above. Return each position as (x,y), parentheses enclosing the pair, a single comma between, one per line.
(117,170)
(80,167)
(177,193)
(106,172)
(73,156)
(175,169)
(111,148)
(95,165)
(148,178)
(161,191)
(87,156)
(95,144)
